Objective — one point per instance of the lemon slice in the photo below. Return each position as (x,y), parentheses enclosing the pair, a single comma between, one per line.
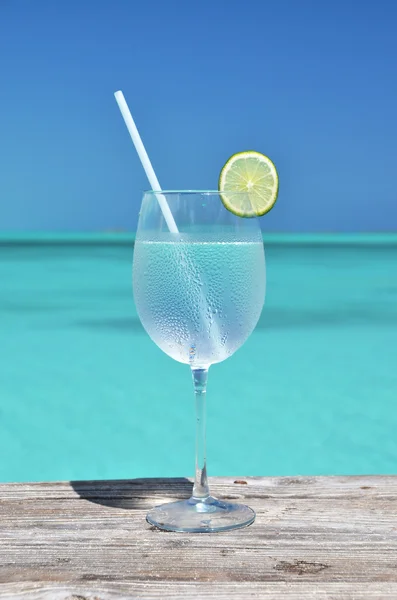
(249,184)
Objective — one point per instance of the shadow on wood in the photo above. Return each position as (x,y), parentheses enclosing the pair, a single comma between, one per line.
(130,494)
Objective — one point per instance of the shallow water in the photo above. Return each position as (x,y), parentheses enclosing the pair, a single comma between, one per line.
(85,394)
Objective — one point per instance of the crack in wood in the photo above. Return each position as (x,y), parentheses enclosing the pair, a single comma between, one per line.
(301,567)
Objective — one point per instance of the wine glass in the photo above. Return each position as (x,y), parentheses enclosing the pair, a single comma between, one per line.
(199,294)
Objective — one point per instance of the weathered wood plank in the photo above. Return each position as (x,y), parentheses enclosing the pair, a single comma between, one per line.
(205,591)
(314,537)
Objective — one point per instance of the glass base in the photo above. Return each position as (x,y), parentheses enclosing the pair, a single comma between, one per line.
(201,515)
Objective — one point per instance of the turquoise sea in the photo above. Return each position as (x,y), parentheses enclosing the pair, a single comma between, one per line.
(85,394)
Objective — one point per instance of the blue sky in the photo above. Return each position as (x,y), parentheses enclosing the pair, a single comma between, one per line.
(312,84)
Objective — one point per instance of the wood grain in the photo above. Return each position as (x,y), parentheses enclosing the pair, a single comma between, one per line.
(314,537)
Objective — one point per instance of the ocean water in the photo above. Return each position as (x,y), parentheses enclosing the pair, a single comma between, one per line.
(85,393)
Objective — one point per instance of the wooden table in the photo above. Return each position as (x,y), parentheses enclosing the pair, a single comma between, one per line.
(314,537)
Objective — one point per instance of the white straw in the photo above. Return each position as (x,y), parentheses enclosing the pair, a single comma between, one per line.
(147,165)
(154,182)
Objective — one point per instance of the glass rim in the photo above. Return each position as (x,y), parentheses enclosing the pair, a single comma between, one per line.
(186,192)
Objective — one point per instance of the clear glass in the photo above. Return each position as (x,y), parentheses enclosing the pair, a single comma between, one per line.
(199,294)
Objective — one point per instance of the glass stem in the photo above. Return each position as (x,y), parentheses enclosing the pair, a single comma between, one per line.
(200,488)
